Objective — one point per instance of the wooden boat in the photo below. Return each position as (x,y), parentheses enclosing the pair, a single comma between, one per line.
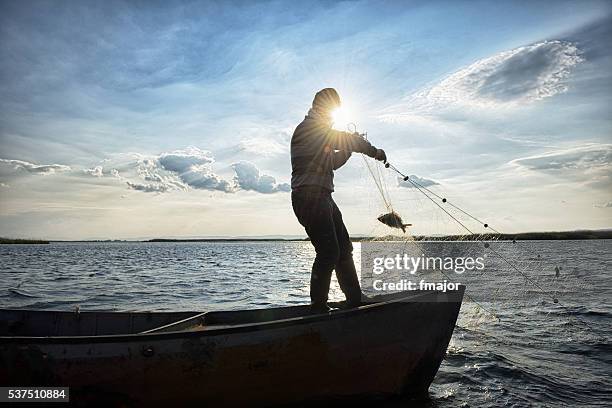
(392,345)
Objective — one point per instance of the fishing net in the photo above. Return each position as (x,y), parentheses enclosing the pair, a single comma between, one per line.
(518,273)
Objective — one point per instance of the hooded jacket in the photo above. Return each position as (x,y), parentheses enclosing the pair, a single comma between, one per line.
(317,150)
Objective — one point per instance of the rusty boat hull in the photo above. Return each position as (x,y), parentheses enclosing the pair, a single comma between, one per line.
(393,345)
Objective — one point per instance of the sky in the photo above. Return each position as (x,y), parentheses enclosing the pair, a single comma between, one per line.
(143,119)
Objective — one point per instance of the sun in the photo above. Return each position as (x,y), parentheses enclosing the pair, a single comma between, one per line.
(341,117)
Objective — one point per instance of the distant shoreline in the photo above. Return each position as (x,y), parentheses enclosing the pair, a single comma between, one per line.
(22,241)
(524,236)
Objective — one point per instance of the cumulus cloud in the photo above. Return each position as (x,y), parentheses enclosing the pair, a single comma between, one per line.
(419,180)
(94,171)
(202,178)
(34,168)
(248,177)
(194,167)
(510,78)
(588,157)
(155,177)
(181,161)
(178,170)
(148,188)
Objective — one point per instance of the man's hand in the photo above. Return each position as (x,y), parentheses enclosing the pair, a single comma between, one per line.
(381,155)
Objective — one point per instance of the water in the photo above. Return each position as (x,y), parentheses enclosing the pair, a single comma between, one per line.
(541,354)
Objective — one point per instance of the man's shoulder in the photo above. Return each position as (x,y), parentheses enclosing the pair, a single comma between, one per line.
(311,126)
(303,123)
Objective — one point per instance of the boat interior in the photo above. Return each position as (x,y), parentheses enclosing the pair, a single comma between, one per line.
(29,323)
(49,323)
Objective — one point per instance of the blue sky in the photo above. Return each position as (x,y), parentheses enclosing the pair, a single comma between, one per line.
(147,119)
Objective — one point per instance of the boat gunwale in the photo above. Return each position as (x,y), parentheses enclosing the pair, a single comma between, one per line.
(212,331)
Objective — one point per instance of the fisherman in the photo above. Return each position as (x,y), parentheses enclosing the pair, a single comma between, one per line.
(316,151)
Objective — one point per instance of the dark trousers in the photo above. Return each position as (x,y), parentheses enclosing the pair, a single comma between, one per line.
(320,216)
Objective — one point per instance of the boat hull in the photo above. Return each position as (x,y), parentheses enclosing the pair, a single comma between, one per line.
(384,349)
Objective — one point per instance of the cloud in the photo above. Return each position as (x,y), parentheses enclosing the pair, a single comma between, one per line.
(525,74)
(180,161)
(419,180)
(178,170)
(148,188)
(263,146)
(138,172)
(588,157)
(95,171)
(202,178)
(590,164)
(194,167)
(604,205)
(510,78)
(261,143)
(157,179)
(248,178)
(35,168)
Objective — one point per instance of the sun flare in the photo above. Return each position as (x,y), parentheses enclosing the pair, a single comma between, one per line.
(341,117)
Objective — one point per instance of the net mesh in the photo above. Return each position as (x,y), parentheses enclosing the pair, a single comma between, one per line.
(520,273)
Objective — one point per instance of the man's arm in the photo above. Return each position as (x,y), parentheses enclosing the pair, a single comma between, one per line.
(340,158)
(349,142)
(353,142)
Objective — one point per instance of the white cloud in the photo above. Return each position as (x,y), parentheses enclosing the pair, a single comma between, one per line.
(588,158)
(194,167)
(180,161)
(94,171)
(202,177)
(138,172)
(248,177)
(178,170)
(158,180)
(186,168)
(419,180)
(604,205)
(35,168)
(589,165)
(507,79)
(148,188)
(263,146)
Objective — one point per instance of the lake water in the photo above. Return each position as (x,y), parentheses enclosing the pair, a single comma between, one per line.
(514,347)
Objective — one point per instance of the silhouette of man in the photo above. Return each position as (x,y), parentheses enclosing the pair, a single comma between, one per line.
(316,151)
